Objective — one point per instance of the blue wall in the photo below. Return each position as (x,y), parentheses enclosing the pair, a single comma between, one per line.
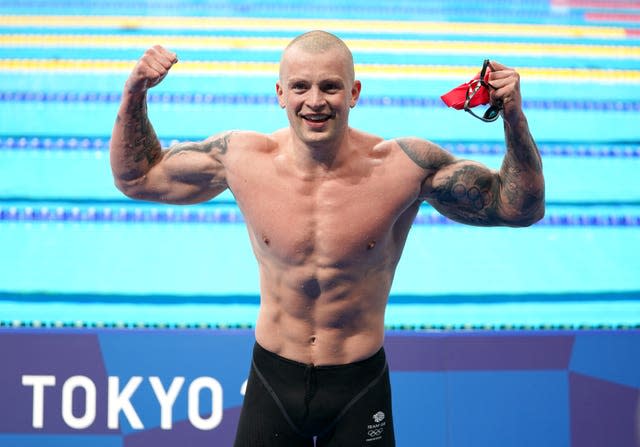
(451,389)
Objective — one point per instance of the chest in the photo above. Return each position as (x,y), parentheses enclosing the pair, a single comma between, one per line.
(334,220)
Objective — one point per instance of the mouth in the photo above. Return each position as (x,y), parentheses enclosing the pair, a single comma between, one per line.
(317,119)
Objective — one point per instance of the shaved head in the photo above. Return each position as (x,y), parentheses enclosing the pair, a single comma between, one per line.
(319,42)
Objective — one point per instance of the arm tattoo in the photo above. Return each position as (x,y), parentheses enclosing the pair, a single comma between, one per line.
(521,173)
(142,142)
(469,195)
(522,147)
(418,151)
(219,144)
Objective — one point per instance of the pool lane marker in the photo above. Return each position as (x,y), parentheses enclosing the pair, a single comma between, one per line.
(297,25)
(101,144)
(169,215)
(98,97)
(275,44)
(243,68)
(83,325)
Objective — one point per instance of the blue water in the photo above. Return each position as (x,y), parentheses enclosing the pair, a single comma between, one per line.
(75,251)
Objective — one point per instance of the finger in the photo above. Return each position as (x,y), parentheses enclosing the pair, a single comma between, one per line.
(166,57)
(158,57)
(173,57)
(506,79)
(497,66)
(503,74)
(507,94)
(498,83)
(155,67)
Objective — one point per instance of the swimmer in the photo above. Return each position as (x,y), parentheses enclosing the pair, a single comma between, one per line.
(328,209)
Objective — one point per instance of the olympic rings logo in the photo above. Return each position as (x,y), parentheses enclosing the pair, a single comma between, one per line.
(376,432)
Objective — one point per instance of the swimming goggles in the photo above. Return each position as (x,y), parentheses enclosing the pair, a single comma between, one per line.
(493,112)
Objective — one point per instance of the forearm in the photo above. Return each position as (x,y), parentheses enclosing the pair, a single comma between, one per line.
(521,177)
(134,146)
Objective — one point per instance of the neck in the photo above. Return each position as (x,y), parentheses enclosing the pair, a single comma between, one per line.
(323,155)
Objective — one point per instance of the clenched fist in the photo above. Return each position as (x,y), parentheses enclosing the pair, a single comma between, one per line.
(151,69)
(506,89)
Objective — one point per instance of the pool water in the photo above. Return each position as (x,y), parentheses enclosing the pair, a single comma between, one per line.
(75,251)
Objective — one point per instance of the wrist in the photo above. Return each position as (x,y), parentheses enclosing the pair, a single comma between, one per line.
(514,118)
(135,89)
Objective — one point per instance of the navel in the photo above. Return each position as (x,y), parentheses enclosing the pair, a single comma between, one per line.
(311,288)
(265,239)
(371,244)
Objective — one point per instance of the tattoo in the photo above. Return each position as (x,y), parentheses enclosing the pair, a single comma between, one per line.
(521,169)
(418,151)
(469,194)
(528,201)
(143,142)
(523,148)
(220,144)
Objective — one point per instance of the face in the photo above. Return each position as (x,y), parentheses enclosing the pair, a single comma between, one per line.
(317,90)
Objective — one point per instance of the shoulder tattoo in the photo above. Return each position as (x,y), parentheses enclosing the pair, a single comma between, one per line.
(219,144)
(422,153)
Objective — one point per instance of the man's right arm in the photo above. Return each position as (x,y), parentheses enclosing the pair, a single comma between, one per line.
(187,172)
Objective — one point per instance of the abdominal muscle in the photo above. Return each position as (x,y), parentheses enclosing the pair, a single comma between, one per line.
(324,318)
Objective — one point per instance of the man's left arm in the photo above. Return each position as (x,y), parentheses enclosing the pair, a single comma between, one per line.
(521,177)
(471,193)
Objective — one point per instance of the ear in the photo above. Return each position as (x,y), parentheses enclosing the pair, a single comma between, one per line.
(355,93)
(280,94)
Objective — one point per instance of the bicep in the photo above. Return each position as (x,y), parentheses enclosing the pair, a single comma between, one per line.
(465,191)
(187,172)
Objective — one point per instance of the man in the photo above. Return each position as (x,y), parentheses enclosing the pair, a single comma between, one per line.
(328,209)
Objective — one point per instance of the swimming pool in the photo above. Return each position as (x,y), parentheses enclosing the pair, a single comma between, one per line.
(66,232)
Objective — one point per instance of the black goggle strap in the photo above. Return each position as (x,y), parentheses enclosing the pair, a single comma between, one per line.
(493,112)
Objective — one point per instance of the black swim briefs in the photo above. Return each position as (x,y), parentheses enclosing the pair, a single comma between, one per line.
(291,404)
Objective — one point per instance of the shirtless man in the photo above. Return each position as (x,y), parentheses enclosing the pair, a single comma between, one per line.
(328,209)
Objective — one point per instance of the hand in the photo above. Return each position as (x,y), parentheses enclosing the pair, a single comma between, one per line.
(506,89)
(151,69)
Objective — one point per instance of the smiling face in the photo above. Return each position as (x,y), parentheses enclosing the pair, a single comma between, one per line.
(317,88)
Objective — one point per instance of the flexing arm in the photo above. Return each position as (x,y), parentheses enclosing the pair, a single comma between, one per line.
(185,173)
(467,191)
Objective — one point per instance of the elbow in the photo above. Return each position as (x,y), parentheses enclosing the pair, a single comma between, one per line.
(527,218)
(531,207)
(540,213)
(130,188)
(533,218)
(123,186)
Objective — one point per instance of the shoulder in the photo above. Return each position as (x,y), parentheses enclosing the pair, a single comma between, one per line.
(424,153)
(240,140)
(364,138)
(248,136)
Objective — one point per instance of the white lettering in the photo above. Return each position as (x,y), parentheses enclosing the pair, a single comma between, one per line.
(38,383)
(243,388)
(166,399)
(194,403)
(89,388)
(119,401)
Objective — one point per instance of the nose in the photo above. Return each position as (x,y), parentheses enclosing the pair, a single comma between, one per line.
(315,99)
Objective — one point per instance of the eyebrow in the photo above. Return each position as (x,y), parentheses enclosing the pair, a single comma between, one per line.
(292,81)
(334,80)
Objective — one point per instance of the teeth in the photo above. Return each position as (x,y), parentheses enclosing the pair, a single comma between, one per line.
(317,117)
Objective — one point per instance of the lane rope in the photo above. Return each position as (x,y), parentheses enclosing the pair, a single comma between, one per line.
(169,215)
